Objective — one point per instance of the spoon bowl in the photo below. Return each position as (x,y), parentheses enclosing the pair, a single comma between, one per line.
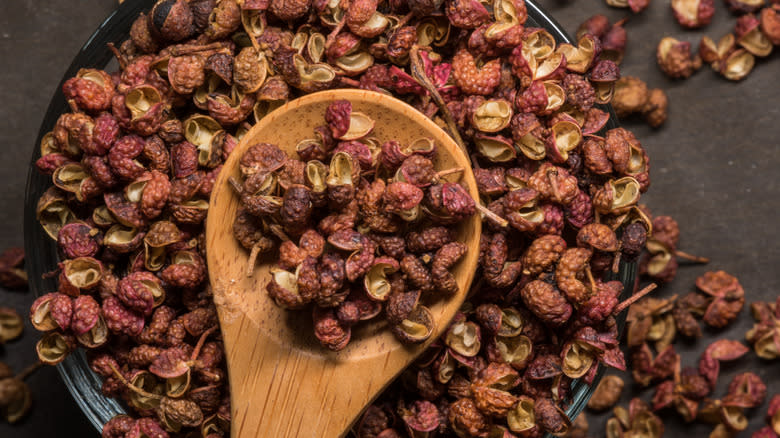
(282,381)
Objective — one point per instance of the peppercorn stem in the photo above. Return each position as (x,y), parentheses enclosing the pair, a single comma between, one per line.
(616,262)
(21,273)
(496,219)
(255,43)
(201,341)
(331,38)
(418,72)
(131,386)
(74,108)
(236,185)
(591,280)
(691,257)
(214,377)
(195,48)
(554,184)
(677,370)
(278,231)
(250,264)
(29,370)
(634,298)
(349,82)
(446,172)
(118,55)
(402,22)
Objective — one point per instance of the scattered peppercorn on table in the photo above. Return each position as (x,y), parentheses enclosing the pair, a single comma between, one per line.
(713,162)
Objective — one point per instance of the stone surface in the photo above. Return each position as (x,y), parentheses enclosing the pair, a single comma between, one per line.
(714,168)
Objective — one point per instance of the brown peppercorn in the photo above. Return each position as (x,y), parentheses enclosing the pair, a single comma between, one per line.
(393,246)
(507,276)
(491,182)
(117,426)
(11,325)
(579,92)
(631,95)
(489,317)
(332,276)
(542,254)
(171,20)
(596,160)
(92,91)
(329,330)
(550,417)
(15,399)
(120,319)
(546,302)
(186,73)
(428,239)
(471,79)
(607,393)
(613,43)
(443,261)
(464,416)
(494,256)
(729,297)
(224,19)
(572,264)
(141,35)
(554,183)
(770,23)
(675,59)
(289,9)
(418,276)
(655,110)
(598,237)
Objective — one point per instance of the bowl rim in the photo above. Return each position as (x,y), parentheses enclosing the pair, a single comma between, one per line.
(83,384)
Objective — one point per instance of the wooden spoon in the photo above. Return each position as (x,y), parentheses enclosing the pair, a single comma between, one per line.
(283,383)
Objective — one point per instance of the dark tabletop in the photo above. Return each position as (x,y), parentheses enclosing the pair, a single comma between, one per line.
(714,168)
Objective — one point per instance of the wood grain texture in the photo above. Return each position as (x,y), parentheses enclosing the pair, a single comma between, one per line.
(283,383)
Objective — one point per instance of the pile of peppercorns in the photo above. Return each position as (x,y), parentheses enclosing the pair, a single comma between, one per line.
(756,31)
(353,182)
(689,390)
(655,325)
(632,96)
(135,161)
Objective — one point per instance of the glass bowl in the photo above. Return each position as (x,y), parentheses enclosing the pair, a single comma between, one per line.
(41,251)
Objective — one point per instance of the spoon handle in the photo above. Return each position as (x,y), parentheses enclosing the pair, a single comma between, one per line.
(278,390)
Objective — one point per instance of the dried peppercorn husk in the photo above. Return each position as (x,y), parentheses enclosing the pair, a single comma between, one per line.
(15,395)
(11,325)
(661,261)
(693,14)
(650,320)
(12,273)
(637,419)
(607,393)
(675,59)
(765,333)
(728,297)
(772,416)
